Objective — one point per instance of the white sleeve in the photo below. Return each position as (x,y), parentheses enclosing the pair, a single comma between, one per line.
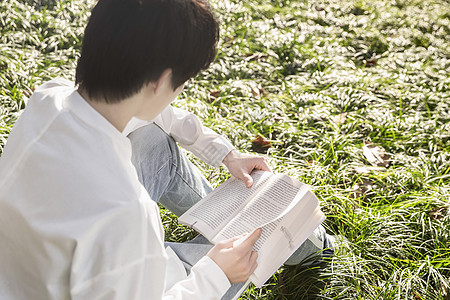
(190,133)
(206,279)
(124,258)
(187,130)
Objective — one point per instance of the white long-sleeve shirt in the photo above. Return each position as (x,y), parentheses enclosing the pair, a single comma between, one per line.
(75,223)
(189,132)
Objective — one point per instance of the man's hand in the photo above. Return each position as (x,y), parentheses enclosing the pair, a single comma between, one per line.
(237,261)
(241,165)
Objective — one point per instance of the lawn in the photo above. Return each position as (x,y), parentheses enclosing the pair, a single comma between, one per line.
(351,97)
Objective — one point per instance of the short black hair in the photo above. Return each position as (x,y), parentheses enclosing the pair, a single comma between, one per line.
(129,43)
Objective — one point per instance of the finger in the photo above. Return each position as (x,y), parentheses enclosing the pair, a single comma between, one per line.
(251,240)
(262,165)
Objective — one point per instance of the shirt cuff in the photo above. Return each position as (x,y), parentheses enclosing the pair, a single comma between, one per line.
(216,276)
(223,150)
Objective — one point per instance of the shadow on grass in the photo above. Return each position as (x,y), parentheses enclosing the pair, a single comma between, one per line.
(293,282)
(298,282)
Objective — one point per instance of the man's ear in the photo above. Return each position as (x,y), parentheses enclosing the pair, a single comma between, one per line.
(164,81)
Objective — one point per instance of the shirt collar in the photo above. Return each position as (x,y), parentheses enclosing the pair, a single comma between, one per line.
(85,112)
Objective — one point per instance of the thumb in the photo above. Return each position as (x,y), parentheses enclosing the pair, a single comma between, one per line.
(248,180)
(229,243)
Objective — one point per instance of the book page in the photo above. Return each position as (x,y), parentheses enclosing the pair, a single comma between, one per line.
(273,201)
(289,233)
(210,214)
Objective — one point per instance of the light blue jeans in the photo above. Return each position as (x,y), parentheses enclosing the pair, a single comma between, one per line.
(172,180)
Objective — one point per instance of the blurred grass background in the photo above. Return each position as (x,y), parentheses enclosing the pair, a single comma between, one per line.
(327,85)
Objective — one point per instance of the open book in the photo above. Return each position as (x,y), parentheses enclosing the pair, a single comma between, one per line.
(285,209)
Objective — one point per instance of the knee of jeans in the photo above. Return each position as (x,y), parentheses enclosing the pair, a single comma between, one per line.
(151,139)
(152,151)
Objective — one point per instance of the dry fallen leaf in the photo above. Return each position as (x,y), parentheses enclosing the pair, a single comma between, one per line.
(376,155)
(256,91)
(260,144)
(256,56)
(445,292)
(361,188)
(371,62)
(213,95)
(28,92)
(438,213)
(311,163)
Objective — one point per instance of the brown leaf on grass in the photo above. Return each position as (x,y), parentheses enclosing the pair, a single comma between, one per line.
(417,296)
(445,292)
(339,119)
(213,95)
(28,92)
(438,213)
(262,91)
(260,144)
(256,91)
(256,56)
(371,62)
(376,155)
(310,163)
(361,188)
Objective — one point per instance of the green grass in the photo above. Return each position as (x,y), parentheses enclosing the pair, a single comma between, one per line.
(286,70)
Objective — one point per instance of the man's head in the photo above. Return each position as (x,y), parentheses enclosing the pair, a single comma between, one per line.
(130,43)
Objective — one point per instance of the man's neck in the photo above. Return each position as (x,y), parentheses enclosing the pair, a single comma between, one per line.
(118,114)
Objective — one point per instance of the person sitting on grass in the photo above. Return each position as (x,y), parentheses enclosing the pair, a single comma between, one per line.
(84,168)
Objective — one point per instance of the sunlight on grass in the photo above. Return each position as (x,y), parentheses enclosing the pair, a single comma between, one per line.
(320,80)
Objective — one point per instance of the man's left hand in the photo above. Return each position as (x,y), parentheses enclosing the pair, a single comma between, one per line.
(241,165)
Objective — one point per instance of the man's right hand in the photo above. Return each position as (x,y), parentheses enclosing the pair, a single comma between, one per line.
(237,261)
